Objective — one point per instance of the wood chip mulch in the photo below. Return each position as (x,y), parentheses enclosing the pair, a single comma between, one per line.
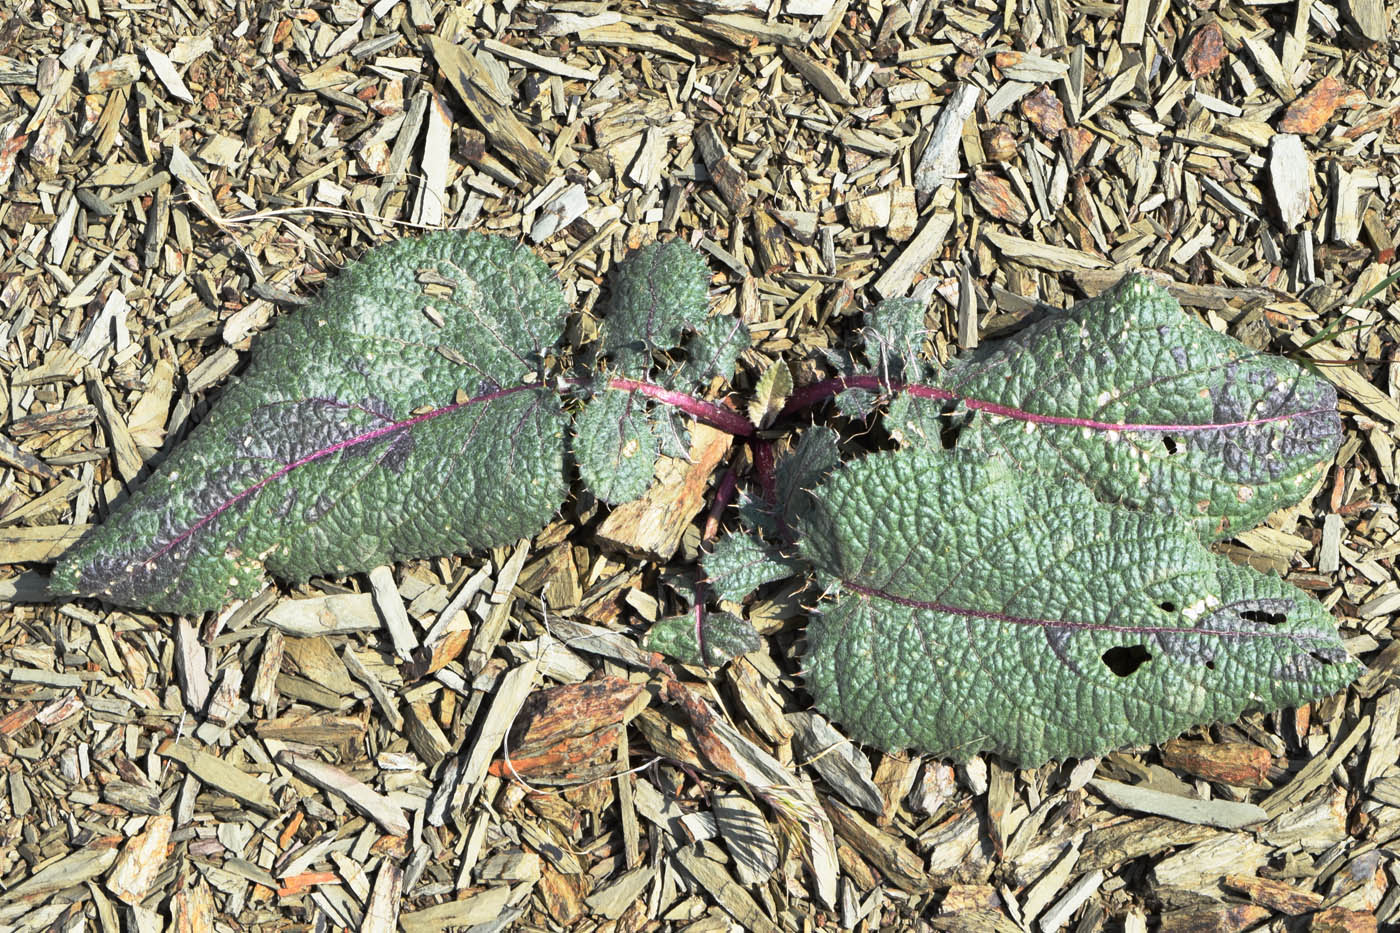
(174,175)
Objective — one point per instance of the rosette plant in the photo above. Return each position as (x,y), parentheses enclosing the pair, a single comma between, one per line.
(1025,571)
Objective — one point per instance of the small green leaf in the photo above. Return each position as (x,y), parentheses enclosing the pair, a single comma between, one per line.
(740,564)
(726,637)
(894,339)
(976,608)
(856,403)
(772,391)
(809,462)
(669,426)
(914,421)
(712,351)
(615,446)
(660,292)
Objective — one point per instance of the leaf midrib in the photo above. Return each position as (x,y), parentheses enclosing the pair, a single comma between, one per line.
(320,454)
(869,592)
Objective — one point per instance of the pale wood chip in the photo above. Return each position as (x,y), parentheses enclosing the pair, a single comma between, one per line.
(218,773)
(140,860)
(356,793)
(1226,814)
(481,907)
(325,615)
(168,74)
(940,157)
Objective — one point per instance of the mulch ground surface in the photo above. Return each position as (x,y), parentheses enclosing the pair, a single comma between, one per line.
(176,175)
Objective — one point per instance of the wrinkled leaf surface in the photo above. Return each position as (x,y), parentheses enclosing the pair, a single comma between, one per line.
(1147,406)
(978,610)
(394,417)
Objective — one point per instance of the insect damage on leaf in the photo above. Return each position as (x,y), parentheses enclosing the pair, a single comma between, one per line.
(1041,590)
(1147,406)
(341,447)
(975,608)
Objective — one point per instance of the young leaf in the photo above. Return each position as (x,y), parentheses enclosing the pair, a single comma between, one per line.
(894,339)
(346,443)
(915,421)
(615,446)
(740,564)
(977,610)
(856,403)
(773,388)
(713,350)
(726,637)
(660,292)
(672,433)
(797,474)
(1150,408)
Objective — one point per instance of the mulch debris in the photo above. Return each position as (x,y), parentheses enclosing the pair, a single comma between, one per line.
(482,741)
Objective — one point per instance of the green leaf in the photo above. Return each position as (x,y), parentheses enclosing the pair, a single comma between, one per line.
(660,292)
(772,391)
(809,462)
(375,424)
(672,433)
(713,350)
(740,564)
(615,446)
(975,610)
(915,421)
(894,339)
(726,637)
(856,403)
(1151,409)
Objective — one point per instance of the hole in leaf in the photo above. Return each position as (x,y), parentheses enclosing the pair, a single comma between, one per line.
(950,436)
(1264,618)
(1210,665)
(1125,659)
(1167,606)
(1169,443)
(1322,658)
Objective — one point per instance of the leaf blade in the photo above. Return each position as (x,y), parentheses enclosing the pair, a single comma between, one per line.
(660,292)
(322,457)
(925,647)
(740,563)
(1151,408)
(616,446)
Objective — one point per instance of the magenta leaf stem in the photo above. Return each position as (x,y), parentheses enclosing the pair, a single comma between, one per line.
(818,392)
(710,413)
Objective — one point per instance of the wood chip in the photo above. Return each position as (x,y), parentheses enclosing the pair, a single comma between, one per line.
(1206,52)
(505,132)
(940,156)
(356,793)
(1226,814)
(227,778)
(1290,171)
(140,860)
(1310,113)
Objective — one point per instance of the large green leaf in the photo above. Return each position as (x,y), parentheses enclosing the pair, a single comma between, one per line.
(976,608)
(1145,405)
(400,415)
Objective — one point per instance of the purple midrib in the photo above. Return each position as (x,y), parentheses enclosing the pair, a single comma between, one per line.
(324,452)
(873,593)
(829,387)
